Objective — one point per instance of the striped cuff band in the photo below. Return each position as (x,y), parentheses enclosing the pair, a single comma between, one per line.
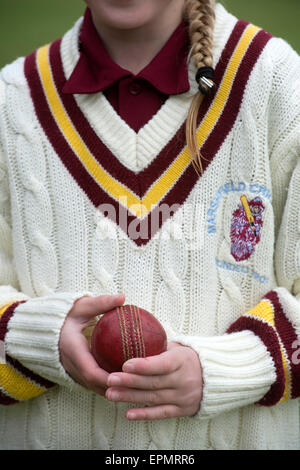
(271,324)
(17,383)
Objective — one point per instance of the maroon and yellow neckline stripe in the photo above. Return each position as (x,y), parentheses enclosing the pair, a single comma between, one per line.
(170,177)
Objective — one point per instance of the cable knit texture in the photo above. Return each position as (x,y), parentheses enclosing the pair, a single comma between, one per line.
(204,271)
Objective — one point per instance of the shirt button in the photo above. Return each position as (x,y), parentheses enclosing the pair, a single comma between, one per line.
(135,88)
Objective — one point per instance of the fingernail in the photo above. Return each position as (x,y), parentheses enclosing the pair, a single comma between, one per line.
(117,296)
(131,415)
(114,396)
(128,367)
(113,380)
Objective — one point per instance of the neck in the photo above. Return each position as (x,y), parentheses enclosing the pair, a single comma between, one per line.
(133,49)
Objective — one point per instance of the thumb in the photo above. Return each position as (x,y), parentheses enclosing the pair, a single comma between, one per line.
(89,307)
(104,303)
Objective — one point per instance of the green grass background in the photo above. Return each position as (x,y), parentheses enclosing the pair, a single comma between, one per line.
(28,24)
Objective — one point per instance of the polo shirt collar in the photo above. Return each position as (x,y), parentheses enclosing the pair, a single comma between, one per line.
(95,71)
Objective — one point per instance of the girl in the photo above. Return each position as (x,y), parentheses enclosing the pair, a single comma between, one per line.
(152,151)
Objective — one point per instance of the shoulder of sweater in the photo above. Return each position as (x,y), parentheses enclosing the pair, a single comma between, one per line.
(283,106)
(281,53)
(13,73)
(285,63)
(278,67)
(11,76)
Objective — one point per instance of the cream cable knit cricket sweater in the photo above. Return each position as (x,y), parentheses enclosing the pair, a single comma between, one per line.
(204,270)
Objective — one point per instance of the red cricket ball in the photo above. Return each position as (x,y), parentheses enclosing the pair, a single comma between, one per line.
(125,333)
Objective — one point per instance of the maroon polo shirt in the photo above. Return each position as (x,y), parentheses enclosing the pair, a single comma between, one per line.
(136,98)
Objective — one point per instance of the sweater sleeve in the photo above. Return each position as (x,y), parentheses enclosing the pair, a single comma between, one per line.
(257,360)
(29,327)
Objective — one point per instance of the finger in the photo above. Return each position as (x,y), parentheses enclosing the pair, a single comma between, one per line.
(90,307)
(153,412)
(108,302)
(162,364)
(142,382)
(73,372)
(141,397)
(87,370)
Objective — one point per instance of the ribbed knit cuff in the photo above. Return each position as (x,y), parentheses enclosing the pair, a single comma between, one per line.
(33,335)
(237,370)
(275,320)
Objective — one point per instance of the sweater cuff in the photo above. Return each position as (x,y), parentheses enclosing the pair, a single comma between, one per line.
(237,370)
(275,320)
(33,333)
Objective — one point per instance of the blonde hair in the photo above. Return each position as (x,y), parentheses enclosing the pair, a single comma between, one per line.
(201,18)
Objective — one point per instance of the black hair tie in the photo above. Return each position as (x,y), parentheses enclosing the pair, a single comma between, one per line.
(204,78)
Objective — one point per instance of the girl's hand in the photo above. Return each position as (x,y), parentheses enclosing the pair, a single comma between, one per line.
(75,354)
(170,384)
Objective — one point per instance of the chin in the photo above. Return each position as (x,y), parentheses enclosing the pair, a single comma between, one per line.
(124,14)
(123,23)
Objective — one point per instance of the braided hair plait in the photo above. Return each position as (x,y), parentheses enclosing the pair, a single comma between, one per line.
(201,18)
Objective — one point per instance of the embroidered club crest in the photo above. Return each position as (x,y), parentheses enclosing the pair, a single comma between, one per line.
(246,226)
